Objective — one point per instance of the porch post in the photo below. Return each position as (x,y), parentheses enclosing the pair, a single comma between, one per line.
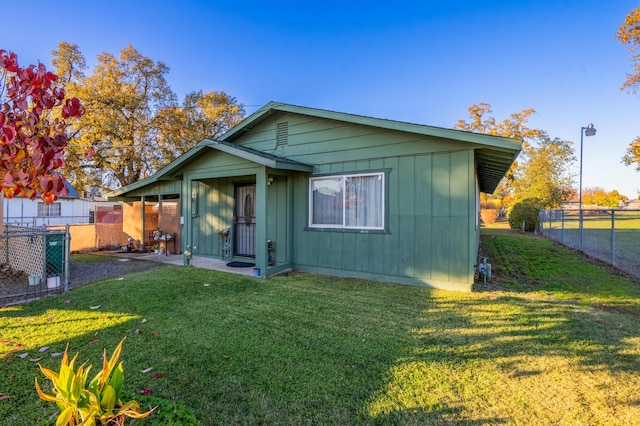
(261,221)
(187,214)
(143,238)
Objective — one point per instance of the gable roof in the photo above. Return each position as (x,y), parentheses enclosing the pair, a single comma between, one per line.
(258,157)
(494,154)
(72,191)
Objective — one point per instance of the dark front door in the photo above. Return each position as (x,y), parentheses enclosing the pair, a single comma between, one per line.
(245,223)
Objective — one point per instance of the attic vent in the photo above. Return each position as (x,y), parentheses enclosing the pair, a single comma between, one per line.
(282,133)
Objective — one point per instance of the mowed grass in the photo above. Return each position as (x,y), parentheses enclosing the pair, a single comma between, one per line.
(559,345)
(525,263)
(597,239)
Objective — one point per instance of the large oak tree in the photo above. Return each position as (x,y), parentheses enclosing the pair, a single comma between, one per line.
(134,125)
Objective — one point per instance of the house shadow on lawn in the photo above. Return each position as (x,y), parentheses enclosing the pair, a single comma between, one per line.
(308,349)
(511,359)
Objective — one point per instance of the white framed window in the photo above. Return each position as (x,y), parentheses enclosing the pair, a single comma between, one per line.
(52,209)
(354,201)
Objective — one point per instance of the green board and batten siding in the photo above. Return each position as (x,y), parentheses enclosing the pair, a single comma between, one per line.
(432,176)
(430,201)
(211,180)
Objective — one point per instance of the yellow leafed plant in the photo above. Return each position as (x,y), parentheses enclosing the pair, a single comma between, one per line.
(96,404)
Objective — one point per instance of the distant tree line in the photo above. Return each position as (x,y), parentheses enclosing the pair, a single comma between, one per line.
(599,197)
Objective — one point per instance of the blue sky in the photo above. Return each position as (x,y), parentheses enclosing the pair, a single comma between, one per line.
(424,62)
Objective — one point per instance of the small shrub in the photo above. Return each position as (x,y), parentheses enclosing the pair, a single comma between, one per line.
(488,216)
(526,210)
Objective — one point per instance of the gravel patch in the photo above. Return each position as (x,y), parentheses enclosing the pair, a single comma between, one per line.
(112,267)
(14,286)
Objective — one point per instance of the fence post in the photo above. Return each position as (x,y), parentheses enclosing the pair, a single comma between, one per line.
(45,272)
(562,231)
(6,245)
(613,237)
(67,253)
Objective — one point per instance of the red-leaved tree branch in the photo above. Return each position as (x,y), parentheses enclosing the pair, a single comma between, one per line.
(33,123)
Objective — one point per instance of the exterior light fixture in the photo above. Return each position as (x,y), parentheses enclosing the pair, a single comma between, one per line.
(584,131)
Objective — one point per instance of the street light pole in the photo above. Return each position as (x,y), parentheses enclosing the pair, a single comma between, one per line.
(584,131)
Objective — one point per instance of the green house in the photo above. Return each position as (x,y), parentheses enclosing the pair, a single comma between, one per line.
(319,191)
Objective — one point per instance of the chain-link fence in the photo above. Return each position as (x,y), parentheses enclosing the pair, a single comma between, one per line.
(608,235)
(33,262)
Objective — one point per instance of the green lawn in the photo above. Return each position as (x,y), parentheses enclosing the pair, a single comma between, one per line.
(621,248)
(560,344)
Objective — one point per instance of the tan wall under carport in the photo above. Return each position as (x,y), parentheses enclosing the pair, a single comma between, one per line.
(91,237)
(131,223)
(154,217)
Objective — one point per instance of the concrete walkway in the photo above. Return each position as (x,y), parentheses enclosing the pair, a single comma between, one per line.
(196,261)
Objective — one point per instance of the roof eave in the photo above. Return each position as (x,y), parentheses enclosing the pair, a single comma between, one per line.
(492,165)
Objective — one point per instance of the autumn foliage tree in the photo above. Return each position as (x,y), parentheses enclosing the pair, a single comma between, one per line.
(544,174)
(541,171)
(122,96)
(34,114)
(481,121)
(629,34)
(203,114)
(134,121)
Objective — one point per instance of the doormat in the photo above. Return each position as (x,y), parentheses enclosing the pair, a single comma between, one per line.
(236,264)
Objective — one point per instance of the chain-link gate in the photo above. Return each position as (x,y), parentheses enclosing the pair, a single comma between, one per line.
(33,262)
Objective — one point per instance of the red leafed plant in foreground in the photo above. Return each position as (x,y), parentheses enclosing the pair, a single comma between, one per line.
(33,122)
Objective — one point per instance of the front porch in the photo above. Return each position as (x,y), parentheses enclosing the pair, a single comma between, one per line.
(222,187)
(196,261)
